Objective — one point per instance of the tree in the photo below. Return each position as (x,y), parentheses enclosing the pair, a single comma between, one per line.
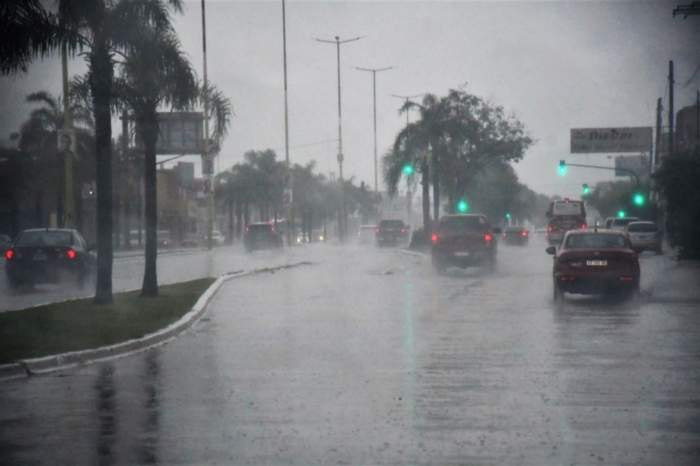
(101,29)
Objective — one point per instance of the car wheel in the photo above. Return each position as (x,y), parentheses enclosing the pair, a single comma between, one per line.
(438,264)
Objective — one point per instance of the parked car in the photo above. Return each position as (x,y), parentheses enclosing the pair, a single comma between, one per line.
(391,232)
(516,235)
(366,234)
(49,255)
(163,238)
(594,262)
(261,236)
(463,240)
(645,235)
(217,238)
(620,223)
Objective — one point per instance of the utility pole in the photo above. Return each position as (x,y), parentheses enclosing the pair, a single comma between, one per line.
(206,163)
(374,72)
(659,119)
(670,108)
(69,200)
(697,117)
(288,174)
(341,218)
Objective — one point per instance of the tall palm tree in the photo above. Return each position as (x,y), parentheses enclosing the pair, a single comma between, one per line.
(154,73)
(101,29)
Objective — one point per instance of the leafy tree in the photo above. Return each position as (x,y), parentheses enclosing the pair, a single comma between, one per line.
(678,182)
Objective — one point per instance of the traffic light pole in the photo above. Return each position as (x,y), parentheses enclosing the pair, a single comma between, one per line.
(601,167)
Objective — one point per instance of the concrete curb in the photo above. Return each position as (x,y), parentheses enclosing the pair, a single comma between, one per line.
(57,362)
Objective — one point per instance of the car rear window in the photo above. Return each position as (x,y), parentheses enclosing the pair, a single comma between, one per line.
(595,241)
(45,238)
(621,222)
(391,224)
(466,223)
(567,208)
(260,228)
(642,227)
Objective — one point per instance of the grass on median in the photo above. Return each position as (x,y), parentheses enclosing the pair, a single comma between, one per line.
(81,324)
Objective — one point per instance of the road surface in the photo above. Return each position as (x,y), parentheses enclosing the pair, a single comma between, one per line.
(368,357)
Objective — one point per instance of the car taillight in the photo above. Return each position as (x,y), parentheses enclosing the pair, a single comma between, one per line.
(584,226)
(524,233)
(488,237)
(9,254)
(71,254)
(435,238)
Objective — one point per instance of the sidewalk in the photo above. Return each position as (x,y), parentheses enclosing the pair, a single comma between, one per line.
(675,281)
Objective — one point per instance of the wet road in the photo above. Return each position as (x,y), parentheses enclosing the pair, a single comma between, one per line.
(368,357)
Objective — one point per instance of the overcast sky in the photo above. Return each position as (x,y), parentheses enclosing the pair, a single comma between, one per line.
(554,65)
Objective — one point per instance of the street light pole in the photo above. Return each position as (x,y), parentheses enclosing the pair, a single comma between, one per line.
(341,220)
(206,163)
(69,201)
(374,72)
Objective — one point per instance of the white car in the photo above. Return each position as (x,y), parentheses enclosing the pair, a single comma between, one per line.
(644,235)
(620,223)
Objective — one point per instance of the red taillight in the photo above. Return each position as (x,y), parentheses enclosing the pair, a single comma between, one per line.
(435,238)
(9,254)
(524,233)
(584,226)
(488,237)
(71,254)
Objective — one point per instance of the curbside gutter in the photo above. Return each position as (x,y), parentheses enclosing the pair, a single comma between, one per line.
(57,362)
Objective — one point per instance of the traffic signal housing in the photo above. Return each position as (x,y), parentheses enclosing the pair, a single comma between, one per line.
(585,189)
(462,206)
(639,199)
(562,168)
(408,169)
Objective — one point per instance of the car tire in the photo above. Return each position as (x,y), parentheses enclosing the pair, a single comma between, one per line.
(438,265)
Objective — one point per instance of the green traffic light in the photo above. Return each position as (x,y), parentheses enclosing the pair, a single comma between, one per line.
(621,213)
(462,206)
(562,168)
(408,169)
(586,189)
(638,199)
(508,216)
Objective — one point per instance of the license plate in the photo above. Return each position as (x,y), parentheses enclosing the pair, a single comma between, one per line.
(462,254)
(40,256)
(597,263)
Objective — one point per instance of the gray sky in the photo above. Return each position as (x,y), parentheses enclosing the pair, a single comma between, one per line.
(555,65)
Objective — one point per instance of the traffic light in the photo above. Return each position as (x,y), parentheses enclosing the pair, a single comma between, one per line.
(621,213)
(639,199)
(508,216)
(408,169)
(462,206)
(562,168)
(586,190)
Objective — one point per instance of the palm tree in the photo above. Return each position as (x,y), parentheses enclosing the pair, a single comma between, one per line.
(154,73)
(101,29)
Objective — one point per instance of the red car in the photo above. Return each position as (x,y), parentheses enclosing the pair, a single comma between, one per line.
(594,262)
(463,240)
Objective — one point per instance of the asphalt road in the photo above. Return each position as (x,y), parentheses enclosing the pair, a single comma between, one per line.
(368,357)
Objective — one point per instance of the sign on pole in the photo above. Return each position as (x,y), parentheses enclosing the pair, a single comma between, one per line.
(610,140)
(180,133)
(638,164)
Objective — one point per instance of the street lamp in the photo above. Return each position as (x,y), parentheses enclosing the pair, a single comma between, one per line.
(341,220)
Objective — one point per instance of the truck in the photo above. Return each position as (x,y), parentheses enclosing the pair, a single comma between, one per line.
(564,215)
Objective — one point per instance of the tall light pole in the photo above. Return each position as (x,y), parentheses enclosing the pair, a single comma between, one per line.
(341,219)
(374,72)
(207,164)
(288,174)
(68,198)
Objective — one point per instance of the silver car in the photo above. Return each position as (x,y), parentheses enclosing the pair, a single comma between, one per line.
(644,235)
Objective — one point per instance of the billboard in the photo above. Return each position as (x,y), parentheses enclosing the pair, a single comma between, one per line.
(179,133)
(638,164)
(610,140)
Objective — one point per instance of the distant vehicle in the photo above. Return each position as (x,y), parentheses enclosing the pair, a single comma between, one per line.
(366,234)
(317,235)
(594,262)
(540,231)
(163,238)
(516,235)
(48,255)
(190,241)
(391,232)
(217,238)
(463,240)
(564,215)
(261,236)
(620,223)
(644,235)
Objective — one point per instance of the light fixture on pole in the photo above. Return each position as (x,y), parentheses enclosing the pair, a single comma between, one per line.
(341,218)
